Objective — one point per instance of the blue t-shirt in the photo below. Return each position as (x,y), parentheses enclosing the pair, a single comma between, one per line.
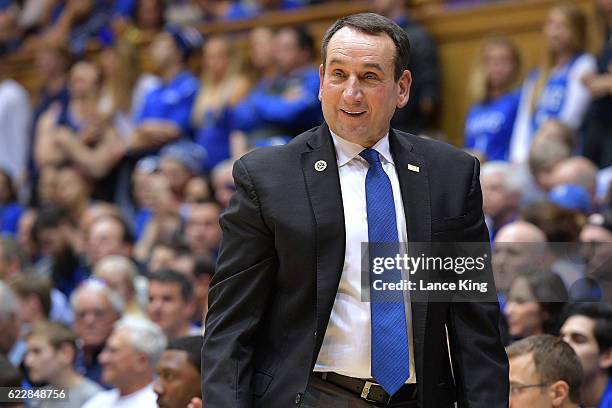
(214,136)
(606,398)
(9,218)
(488,126)
(172,102)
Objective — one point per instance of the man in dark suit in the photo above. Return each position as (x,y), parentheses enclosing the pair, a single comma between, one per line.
(287,325)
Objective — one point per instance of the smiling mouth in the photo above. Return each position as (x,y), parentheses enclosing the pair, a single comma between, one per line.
(353,113)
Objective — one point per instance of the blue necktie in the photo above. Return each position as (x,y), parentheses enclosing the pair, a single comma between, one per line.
(389,351)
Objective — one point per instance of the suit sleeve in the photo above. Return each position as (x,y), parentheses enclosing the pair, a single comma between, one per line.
(239,291)
(480,364)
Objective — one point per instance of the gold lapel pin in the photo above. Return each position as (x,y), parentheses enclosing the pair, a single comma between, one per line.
(414,168)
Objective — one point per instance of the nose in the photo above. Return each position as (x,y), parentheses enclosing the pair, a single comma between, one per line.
(353,95)
(158,387)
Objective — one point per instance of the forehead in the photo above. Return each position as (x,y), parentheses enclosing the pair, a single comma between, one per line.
(522,368)
(579,324)
(353,46)
(175,359)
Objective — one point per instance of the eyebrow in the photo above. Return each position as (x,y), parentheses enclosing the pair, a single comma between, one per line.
(366,65)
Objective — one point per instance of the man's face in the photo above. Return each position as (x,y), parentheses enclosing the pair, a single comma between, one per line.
(495,197)
(203,232)
(358,91)
(178,381)
(522,372)
(288,54)
(53,241)
(577,331)
(105,238)
(167,307)
(121,363)
(163,50)
(10,329)
(93,318)
(42,360)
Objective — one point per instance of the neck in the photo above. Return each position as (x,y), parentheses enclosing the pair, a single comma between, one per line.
(562,58)
(171,72)
(495,92)
(55,83)
(66,379)
(181,331)
(140,381)
(592,391)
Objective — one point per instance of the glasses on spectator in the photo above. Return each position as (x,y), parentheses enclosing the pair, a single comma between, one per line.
(517,388)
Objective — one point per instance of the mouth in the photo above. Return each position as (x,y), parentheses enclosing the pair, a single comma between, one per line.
(353,113)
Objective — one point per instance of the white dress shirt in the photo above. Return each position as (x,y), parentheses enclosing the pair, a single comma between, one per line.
(347,341)
(143,398)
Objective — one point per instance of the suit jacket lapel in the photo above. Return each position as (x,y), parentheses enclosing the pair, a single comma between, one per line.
(325,197)
(414,186)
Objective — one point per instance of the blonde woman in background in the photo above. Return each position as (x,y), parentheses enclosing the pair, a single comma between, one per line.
(493,88)
(222,87)
(555,90)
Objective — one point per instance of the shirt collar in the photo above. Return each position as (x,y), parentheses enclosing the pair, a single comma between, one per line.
(347,151)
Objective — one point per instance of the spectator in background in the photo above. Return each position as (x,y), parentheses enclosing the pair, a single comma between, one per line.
(197,189)
(55,233)
(74,191)
(52,350)
(222,86)
(598,122)
(93,212)
(596,240)
(165,113)
(490,120)
(288,105)
(544,155)
(199,269)
(10,209)
(34,295)
(178,163)
(129,360)
(77,22)
(142,194)
(223,182)
(534,304)
(501,194)
(544,372)
(10,34)
(52,62)
(202,229)
(10,327)
(261,53)
(120,273)
(578,171)
(80,134)
(519,246)
(96,308)
(15,116)
(420,113)
(178,373)
(171,303)
(108,235)
(588,329)
(12,263)
(559,224)
(24,236)
(555,90)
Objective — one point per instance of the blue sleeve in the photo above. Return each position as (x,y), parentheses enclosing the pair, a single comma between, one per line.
(148,108)
(306,108)
(9,220)
(124,8)
(243,116)
(469,141)
(181,114)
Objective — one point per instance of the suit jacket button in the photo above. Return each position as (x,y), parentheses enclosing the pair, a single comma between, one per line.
(298,398)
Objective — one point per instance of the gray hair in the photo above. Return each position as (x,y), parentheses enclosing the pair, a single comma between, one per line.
(118,263)
(98,286)
(144,336)
(373,24)
(220,168)
(513,182)
(9,307)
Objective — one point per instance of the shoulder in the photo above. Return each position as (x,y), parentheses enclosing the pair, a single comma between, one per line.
(440,157)
(584,63)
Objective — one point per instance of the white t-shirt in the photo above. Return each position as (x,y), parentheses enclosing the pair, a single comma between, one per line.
(143,398)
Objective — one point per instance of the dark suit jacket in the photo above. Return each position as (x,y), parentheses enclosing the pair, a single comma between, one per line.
(280,263)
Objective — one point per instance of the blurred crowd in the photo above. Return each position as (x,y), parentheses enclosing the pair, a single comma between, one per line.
(113,176)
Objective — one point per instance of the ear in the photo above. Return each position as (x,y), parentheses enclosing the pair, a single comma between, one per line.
(67,354)
(321,75)
(404,89)
(605,359)
(559,392)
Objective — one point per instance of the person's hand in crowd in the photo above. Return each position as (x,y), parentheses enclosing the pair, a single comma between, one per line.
(598,84)
(163,201)
(195,403)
